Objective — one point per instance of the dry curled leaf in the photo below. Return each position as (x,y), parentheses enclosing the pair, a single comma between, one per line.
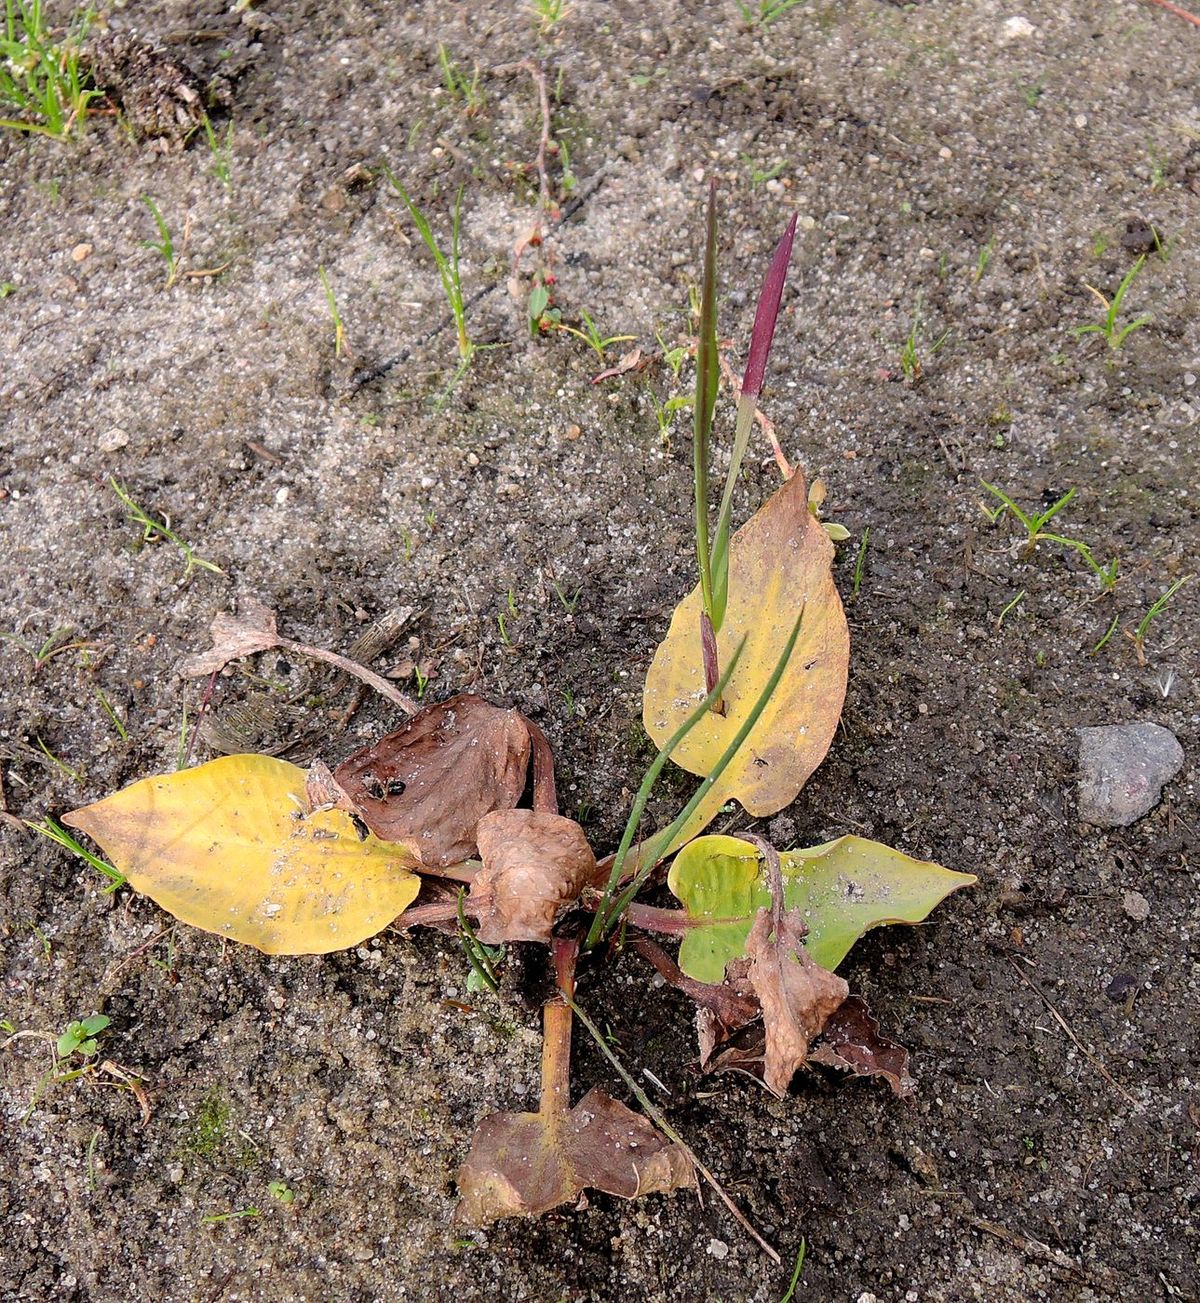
(251,630)
(852,1040)
(232,847)
(428,784)
(797,995)
(523,1164)
(535,864)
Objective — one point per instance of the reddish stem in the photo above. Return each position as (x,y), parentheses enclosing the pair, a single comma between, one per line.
(556,1030)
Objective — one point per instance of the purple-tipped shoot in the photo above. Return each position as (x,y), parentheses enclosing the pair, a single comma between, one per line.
(765,317)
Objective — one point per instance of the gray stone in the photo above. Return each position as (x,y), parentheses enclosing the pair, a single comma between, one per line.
(1136,906)
(1122,769)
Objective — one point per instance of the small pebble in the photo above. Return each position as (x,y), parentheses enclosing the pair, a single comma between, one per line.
(718,1249)
(1119,988)
(282,495)
(1122,769)
(1136,906)
(1016,27)
(113,440)
(80,252)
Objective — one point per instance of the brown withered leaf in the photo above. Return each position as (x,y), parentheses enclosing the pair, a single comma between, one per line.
(428,784)
(852,1040)
(523,1164)
(730,1003)
(634,360)
(322,792)
(535,864)
(251,630)
(797,995)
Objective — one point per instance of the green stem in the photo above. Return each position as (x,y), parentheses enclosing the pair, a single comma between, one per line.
(600,921)
(706,396)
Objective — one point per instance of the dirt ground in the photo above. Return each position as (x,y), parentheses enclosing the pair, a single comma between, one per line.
(980,161)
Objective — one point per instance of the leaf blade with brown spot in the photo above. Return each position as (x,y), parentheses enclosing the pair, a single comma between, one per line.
(779,562)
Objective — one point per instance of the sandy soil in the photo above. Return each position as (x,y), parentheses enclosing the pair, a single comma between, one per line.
(1052,1150)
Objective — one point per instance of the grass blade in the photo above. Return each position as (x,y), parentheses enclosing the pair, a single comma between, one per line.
(706,398)
(599,923)
(660,842)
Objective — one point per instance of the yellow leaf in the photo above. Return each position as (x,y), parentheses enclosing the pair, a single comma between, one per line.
(229,847)
(779,561)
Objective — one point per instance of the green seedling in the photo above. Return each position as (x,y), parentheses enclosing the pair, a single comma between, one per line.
(502,625)
(795,1280)
(860,561)
(422,681)
(567,180)
(114,718)
(1033,93)
(760,175)
(55,645)
(1158,606)
(41,79)
(462,87)
(54,832)
(673,355)
(591,335)
(165,245)
(765,12)
(339,330)
(153,530)
(448,272)
(549,13)
(221,149)
(910,351)
(215,1219)
(664,414)
(985,257)
(1036,532)
(482,959)
(80,1037)
(61,765)
(7,288)
(281,1192)
(569,604)
(1010,608)
(1116,335)
(1108,633)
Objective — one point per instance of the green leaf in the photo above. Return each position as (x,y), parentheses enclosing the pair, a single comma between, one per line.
(844,888)
(69,1041)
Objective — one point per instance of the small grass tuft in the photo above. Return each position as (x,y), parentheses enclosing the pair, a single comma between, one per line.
(153,530)
(1156,609)
(41,78)
(56,833)
(1116,335)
